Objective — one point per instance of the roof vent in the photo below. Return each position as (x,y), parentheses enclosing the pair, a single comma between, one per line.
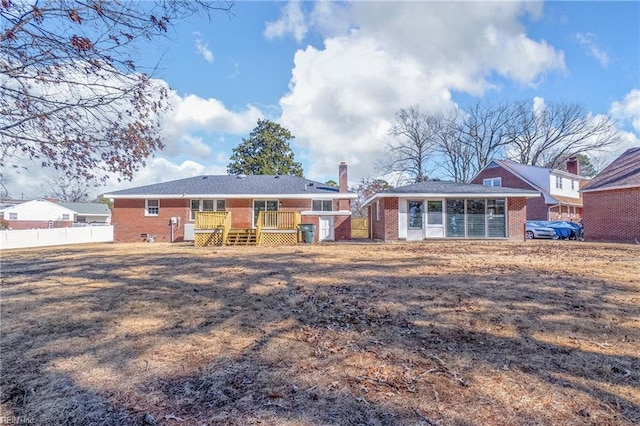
(241,176)
(277,176)
(205,177)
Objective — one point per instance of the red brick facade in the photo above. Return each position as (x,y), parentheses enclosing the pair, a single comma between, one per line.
(384,222)
(38,224)
(130,222)
(516,217)
(612,216)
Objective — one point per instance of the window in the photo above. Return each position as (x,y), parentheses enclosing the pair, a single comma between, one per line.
(322,205)
(559,182)
(65,216)
(82,219)
(492,182)
(13,216)
(434,212)
(415,214)
(573,184)
(207,206)
(455,218)
(475,218)
(495,218)
(152,208)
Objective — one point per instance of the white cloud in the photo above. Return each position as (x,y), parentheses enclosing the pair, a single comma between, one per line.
(291,22)
(590,45)
(392,55)
(203,49)
(628,110)
(191,113)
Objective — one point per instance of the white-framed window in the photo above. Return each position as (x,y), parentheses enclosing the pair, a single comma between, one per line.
(496,181)
(207,206)
(377,210)
(65,216)
(559,182)
(13,216)
(322,205)
(573,184)
(151,207)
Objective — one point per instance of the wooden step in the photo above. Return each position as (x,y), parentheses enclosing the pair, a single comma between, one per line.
(237,237)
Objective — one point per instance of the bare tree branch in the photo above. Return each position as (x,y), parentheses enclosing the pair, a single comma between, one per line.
(70,95)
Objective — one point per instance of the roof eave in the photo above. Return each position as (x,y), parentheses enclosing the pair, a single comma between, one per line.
(318,196)
(448,195)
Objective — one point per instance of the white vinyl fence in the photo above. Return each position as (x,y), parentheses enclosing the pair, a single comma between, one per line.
(23,238)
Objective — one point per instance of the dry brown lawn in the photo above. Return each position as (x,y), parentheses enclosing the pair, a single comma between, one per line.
(441,333)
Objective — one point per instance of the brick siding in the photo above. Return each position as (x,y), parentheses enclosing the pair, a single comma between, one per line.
(612,216)
(38,224)
(517,209)
(130,222)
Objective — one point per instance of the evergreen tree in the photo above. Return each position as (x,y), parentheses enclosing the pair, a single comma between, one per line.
(265,152)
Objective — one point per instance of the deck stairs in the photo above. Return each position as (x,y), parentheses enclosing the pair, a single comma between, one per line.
(241,237)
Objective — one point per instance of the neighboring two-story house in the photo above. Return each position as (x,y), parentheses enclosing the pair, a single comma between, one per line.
(560,198)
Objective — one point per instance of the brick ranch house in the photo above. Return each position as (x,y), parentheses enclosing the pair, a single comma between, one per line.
(559,197)
(440,209)
(612,201)
(166,210)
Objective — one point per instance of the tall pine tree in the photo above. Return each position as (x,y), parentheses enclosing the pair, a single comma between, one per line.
(265,152)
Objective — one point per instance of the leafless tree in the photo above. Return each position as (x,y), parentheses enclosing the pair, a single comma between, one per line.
(548,133)
(365,189)
(67,188)
(458,157)
(71,96)
(412,143)
(482,130)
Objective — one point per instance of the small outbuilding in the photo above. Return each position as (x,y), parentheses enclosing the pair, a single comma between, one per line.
(440,209)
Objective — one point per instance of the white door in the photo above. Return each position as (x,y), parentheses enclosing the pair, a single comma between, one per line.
(326,228)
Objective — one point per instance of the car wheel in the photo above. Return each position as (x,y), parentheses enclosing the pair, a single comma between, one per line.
(529,235)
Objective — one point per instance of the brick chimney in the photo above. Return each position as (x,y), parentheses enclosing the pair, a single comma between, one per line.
(573,166)
(342,177)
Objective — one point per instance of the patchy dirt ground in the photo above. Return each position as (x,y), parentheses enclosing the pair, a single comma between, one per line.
(441,333)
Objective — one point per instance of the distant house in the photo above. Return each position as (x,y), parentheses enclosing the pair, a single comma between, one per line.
(439,209)
(36,214)
(47,213)
(559,198)
(89,213)
(612,201)
(167,211)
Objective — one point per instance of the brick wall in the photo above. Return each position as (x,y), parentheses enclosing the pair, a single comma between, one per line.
(129,221)
(38,224)
(386,228)
(612,216)
(516,217)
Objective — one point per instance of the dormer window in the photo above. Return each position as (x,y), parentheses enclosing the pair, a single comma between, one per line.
(492,181)
(559,182)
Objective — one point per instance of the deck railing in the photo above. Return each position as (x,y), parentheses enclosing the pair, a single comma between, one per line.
(214,220)
(276,221)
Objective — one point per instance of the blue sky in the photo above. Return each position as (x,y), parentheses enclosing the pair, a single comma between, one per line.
(334,73)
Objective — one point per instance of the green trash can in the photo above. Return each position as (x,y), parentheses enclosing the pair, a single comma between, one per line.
(308,231)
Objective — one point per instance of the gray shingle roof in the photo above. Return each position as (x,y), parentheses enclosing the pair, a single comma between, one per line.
(623,172)
(91,209)
(227,185)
